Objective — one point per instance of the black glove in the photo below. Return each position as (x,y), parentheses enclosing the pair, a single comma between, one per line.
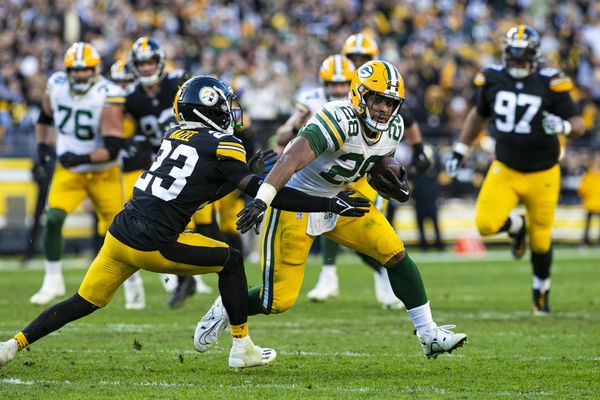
(453,164)
(42,166)
(392,187)
(251,216)
(131,146)
(419,159)
(69,159)
(259,162)
(343,204)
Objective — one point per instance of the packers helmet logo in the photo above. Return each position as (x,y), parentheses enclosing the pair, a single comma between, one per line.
(208,96)
(365,71)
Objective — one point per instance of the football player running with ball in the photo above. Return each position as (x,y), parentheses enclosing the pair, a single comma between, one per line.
(86,112)
(528,108)
(199,161)
(336,147)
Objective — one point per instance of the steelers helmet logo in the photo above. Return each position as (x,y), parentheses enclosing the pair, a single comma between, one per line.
(365,71)
(208,96)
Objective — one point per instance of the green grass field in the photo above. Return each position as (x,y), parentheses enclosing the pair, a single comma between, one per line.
(345,348)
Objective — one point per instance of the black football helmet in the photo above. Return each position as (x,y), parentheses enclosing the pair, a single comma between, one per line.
(209,102)
(521,45)
(145,49)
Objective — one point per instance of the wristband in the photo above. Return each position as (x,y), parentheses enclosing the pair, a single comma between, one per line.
(461,148)
(566,127)
(266,192)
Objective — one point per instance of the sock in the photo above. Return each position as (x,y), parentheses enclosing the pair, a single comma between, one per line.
(407,284)
(329,269)
(21,340)
(543,285)
(52,234)
(541,264)
(421,318)
(239,331)
(329,250)
(242,342)
(53,267)
(516,223)
(254,301)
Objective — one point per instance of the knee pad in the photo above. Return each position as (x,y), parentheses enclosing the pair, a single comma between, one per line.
(55,217)
(485,225)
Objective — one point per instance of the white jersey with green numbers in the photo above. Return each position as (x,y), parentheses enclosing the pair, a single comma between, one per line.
(77,117)
(344,153)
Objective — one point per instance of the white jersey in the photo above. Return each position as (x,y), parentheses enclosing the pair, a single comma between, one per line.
(77,117)
(311,99)
(344,152)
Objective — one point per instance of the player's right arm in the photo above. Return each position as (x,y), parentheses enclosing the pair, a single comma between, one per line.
(45,140)
(476,121)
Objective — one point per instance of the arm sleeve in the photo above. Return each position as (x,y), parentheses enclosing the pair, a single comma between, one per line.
(288,199)
(563,105)
(407,117)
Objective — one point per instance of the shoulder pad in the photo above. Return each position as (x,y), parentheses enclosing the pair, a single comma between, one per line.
(177,73)
(56,79)
(559,81)
(336,117)
(230,147)
(496,67)
(305,95)
(479,79)
(484,75)
(115,94)
(549,72)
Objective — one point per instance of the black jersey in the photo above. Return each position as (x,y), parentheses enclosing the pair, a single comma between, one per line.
(153,117)
(515,108)
(193,167)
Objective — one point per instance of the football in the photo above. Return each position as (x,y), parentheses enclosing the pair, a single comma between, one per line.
(379,167)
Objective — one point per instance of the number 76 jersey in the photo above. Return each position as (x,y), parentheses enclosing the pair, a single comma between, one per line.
(77,117)
(516,110)
(343,152)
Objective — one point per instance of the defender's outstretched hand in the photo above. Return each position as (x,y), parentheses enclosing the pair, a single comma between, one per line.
(343,204)
(259,162)
(251,216)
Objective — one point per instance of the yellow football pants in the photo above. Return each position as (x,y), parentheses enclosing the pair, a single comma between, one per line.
(129,179)
(192,254)
(502,190)
(227,208)
(104,188)
(286,246)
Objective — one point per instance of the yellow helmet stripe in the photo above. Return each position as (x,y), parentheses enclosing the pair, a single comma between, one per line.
(520,32)
(144,44)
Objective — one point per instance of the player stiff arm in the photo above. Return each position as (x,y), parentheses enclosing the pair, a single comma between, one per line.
(528,109)
(338,145)
(199,161)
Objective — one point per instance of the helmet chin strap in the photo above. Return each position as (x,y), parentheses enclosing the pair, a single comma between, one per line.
(209,122)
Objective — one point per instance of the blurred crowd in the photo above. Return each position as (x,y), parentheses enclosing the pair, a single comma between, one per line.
(268,49)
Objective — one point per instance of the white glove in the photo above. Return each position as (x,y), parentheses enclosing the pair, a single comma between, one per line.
(555,125)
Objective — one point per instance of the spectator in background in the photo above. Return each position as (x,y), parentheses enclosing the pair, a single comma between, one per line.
(590,194)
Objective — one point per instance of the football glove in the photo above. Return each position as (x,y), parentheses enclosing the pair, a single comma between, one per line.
(391,186)
(419,159)
(555,125)
(131,146)
(343,204)
(251,216)
(42,166)
(453,164)
(259,162)
(69,159)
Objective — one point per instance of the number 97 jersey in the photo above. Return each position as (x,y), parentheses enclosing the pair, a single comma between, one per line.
(515,108)
(77,117)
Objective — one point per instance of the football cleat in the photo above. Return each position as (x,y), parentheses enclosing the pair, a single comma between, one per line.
(245,354)
(186,287)
(135,297)
(211,326)
(440,339)
(327,286)
(384,292)
(8,351)
(202,287)
(541,305)
(517,244)
(52,287)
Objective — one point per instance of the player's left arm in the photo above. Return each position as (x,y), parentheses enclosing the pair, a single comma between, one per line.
(563,117)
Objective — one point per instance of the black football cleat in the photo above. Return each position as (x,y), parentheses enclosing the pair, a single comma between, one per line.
(186,286)
(517,245)
(541,305)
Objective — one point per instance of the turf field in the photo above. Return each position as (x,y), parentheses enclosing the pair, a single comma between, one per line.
(345,348)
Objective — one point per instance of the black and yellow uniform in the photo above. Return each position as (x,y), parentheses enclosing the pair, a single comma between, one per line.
(526,166)
(153,117)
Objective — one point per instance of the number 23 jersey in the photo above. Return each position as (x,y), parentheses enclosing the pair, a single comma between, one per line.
(515,108)
(193,167)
